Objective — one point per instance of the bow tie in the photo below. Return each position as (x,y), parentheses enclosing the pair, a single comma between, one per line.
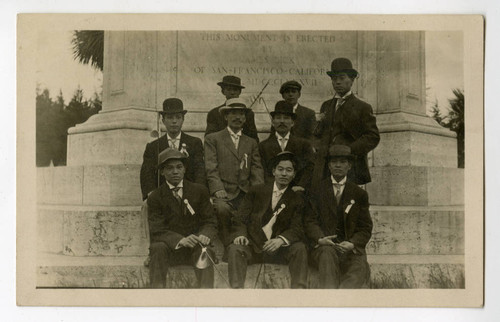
(338,185)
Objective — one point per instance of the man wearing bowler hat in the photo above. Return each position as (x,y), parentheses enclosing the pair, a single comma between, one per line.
(172,117)
(338,224)
(284,139)
(346,120)
(233,164)
(181,223)
(230,88)
(305,118)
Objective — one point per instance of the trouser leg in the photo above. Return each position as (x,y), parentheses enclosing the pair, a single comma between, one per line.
(328,263)
(158,265)
(223,211)
(205,276)
(296,255)
(238,257)
(355,272)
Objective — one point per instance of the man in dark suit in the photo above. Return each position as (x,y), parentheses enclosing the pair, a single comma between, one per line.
(283,120)
(339,225)
(232,163)
(268,227)
(346,120)
(305,119)
(181,222)
(173,118)
(230,88)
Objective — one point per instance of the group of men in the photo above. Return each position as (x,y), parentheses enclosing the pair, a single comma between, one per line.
(280,200)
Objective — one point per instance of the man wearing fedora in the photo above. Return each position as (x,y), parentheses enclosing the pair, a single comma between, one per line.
(173,118)
(233,164)
(338,224)
(181,222)
(230,88)
(284,139)
(346,120)
(268,227)
(305,118)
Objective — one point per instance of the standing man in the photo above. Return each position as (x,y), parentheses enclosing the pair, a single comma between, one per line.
(173,118)
(230,88)
(305,120)
(233,164)
(268,227)
(339,225)
(284,139)
(346,120)
(181,222)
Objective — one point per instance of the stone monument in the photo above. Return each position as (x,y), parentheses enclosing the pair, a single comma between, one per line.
(89,212)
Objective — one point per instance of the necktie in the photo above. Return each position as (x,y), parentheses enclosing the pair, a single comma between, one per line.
(340,101)
(283,142)
(338,193)
(175,192)
(173,144)
(236,139)
(276,198)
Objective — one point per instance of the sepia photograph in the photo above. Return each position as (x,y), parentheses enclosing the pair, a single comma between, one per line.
(213,156)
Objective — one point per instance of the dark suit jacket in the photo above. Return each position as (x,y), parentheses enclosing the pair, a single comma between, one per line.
(170,221)
(255,212)
(305,123)
(226,168)
(322,214)
(195,171)
(353,125)
(216,123)
(302,149)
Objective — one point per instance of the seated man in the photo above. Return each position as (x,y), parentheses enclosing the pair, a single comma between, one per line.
(181,221)
(233,164)
(338,223)
(268,227)
(283,119)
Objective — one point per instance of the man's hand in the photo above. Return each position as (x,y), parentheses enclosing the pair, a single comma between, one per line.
(189,241)
(344,247)
(273,245)
(327,240)
(221,194)
(204,240)
(241,240)
(320,117)
(298,188)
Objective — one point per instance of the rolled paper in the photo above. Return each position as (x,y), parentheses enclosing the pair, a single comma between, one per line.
(191,210)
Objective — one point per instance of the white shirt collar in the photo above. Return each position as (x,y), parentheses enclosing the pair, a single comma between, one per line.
(180,185)
(232,133)
(174,139)
(343,181)
(345,96)
(275,189)
(287,136)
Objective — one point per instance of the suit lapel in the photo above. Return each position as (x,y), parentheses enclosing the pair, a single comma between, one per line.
(170,200)
(274,145)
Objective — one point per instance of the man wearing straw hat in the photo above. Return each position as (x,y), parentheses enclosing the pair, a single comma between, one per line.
(268,227)
(181,222)
(338,223)
(233,164)
(346,120)
(231,88)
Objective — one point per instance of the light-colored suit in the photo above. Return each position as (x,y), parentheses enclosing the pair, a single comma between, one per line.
(233,171)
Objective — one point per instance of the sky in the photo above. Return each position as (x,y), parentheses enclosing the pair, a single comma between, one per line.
(58,70)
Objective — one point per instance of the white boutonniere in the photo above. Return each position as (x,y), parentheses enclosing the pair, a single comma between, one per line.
(184,150)
(349,206)
(188,206)
(244,162)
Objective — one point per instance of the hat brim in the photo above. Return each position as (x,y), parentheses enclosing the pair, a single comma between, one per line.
(226,109)
(349,156)
(183,159)
(293,115)
(347,71)
(183,112)
(230,84)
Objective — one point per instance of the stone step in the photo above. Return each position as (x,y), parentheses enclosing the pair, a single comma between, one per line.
(119,231)
(387,272)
